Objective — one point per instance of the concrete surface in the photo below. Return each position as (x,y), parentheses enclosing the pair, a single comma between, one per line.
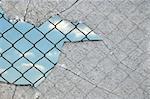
(116,68)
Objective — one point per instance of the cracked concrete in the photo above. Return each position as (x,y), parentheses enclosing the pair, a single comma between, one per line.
(116,68)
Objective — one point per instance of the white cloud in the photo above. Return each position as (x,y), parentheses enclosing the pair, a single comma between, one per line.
(1,50)
(28,54)
(78,33)
(41,67)
(55,53)
(85,29)
(27,64)
(52,53)
(2,70)
(93,34)
(49,54)
(65,26)
(50,26)
(20,54)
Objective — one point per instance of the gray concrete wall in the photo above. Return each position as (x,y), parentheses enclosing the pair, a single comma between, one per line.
(116,68)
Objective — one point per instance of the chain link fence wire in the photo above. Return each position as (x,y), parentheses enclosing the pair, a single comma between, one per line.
(29,52)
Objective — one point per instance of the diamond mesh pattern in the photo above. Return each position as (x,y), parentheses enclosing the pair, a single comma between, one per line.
(28,52)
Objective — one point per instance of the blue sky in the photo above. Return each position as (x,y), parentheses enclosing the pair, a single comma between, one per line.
(27,56)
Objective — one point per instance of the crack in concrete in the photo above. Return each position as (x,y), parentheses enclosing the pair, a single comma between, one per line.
(26,11)
(69,6)
(14,92)
(95,86)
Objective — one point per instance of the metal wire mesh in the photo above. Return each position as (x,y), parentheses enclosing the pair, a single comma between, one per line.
(22,38)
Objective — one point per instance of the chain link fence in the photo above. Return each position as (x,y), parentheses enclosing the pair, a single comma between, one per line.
(28,52)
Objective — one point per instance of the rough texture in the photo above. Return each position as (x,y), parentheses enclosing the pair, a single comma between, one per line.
(116,68)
